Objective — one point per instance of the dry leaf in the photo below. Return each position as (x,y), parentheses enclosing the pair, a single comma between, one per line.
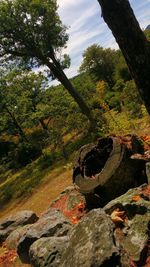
(118,216)
(136,198)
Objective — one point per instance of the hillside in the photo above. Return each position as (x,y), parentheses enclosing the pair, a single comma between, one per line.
(36,185)
(53,183)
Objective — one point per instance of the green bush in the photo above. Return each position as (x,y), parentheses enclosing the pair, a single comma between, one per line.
(25,153)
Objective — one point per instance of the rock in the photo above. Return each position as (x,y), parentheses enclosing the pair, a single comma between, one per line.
(148,171)
(133,235)
(11,223)
(13,239)
(52,223)
(71,203)
(108,164)
(91,242)
(73,197)
(47,252)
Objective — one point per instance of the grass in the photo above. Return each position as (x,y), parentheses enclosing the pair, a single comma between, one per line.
(35,186)
(52,184)
(19,187)
(50,173)
(21,184)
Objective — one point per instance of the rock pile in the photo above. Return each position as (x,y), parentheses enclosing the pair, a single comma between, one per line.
(116,235)
(10,224)
(81,230)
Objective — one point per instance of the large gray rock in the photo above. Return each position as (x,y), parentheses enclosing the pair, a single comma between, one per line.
(133,236)
(53,223)
(47,251)
(71,203)
(70,197)
(91,242)
(13,239)
(11,223)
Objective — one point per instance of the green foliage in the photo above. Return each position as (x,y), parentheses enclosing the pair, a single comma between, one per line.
(25,153)
(147,34)
(23,102)
(118,86)
(38,118)
(118,123)
(113,96)
(99,63)
(113,100)
(85,85)
(22,183)
(48,159)
(31,29)
(131,100)
(105,64)
(121,71)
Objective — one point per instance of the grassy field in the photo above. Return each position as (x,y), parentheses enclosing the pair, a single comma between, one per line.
(50,185)
(36,185)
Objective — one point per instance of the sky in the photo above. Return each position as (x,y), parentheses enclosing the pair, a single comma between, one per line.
(86,27)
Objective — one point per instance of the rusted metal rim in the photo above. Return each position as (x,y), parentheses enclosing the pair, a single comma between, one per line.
(87,185)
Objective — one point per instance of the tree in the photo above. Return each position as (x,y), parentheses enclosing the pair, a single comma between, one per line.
(121,69)
(131,100)
(29,90)
(135,47)
(23,101)
(147,33)
(32,30)
(99,62)
(8,107)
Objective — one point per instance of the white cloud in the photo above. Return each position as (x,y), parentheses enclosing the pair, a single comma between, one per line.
(87,26)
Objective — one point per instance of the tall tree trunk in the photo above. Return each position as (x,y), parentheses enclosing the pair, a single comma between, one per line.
(136,49)
(16,124)
(56,69)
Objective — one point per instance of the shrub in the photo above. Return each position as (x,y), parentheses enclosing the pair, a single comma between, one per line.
(25,153)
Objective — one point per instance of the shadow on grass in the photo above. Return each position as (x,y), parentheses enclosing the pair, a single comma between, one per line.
(21,184)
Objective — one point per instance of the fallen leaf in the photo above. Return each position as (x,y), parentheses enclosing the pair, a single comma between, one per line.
(74,220)
(118,216)
(136,198)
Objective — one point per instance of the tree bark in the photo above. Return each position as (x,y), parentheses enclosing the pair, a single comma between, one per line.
(107,167)
(121,20)
(60,75)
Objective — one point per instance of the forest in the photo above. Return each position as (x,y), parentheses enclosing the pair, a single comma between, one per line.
(41,124)
(57,134)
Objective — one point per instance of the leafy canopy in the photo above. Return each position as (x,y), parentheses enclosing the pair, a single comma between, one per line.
(31,29)
(99,62)
(22,100)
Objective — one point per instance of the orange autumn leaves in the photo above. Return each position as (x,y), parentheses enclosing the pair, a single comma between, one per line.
(8,257)
(75,213)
